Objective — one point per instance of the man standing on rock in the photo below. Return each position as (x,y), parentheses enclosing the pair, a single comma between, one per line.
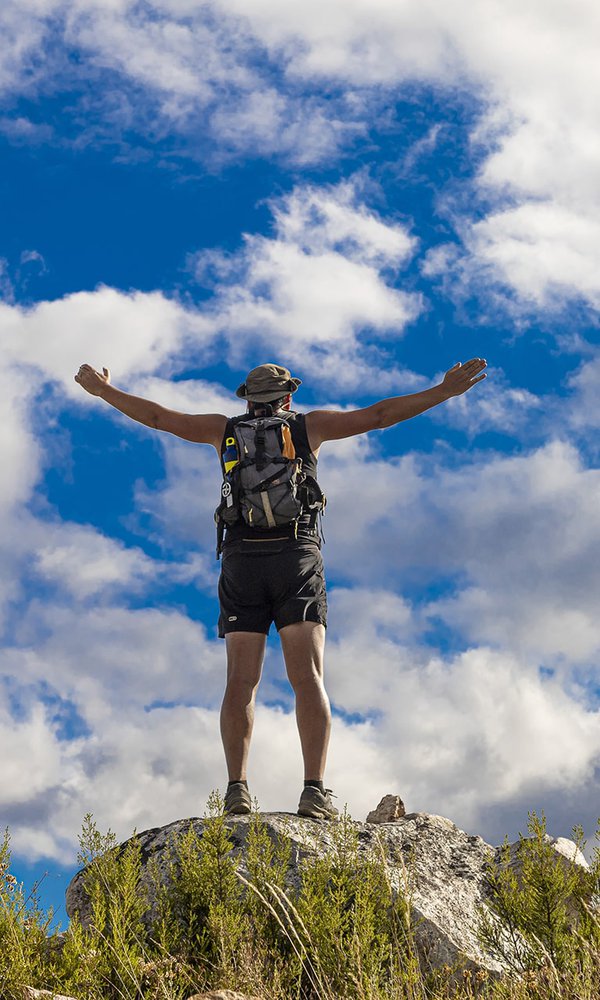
(276,574)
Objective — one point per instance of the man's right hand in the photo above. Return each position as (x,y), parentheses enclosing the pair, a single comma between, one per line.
(92,381)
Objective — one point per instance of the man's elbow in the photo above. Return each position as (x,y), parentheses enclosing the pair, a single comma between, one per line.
(380,416)
(156,420)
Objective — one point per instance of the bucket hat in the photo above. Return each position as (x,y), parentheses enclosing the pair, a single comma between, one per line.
(267,382)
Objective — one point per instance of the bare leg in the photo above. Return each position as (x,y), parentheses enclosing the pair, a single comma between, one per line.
(245,654)
(303,645)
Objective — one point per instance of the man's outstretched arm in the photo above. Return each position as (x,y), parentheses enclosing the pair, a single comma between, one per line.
(331,425)
(204,428)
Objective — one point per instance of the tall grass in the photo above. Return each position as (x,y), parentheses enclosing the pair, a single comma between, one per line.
(340,931)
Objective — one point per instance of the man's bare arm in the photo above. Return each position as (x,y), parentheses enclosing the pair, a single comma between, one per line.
(332,425)
(203,428)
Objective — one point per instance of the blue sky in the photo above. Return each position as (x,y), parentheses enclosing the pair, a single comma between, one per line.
(367,196)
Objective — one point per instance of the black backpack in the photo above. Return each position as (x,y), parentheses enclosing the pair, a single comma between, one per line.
(264,484)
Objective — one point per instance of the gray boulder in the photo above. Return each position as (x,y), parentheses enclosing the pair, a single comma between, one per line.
(438,867)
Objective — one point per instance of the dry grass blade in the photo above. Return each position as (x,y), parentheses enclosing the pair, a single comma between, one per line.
(301,954)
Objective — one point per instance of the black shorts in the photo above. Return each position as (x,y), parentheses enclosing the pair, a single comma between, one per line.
(264,583)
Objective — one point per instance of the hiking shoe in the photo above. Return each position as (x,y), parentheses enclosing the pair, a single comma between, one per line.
(237,800)
(316,804)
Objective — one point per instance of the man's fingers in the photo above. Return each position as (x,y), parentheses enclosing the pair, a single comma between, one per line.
(106,372)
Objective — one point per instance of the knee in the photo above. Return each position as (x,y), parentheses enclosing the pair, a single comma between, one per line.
(241,684)
(307,680)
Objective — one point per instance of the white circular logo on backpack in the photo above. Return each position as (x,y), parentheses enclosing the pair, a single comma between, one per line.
(225,489)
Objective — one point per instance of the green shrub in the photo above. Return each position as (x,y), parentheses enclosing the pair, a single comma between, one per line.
(23,931)
(352,928)
(340,932)
(541,920)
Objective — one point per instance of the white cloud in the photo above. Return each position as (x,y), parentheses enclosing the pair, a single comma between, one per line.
(135,333)
(529,535)
(99,655)
(478,727)
(584,405)
(362,43)
(84,563)
(19,451)
(186,395)
(24,28)
(184,69)
(496,407)
(519,538)
(319,220)
(302,131)
(455,736)
(23,131)
(316,293)
(546,251)
(302,80)
(535,73)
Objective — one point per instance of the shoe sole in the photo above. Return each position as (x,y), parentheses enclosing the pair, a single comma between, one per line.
(317,814)
(241,810)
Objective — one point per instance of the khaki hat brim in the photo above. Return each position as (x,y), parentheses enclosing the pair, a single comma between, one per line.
(268,394)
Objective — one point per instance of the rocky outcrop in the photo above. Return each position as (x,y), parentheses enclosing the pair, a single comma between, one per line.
(389,809)
(438,867)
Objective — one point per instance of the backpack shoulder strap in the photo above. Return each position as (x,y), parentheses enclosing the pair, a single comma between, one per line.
(229,433)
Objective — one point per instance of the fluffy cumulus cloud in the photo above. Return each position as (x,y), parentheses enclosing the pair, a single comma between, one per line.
(518,536)
(139,332)
(319,289)
(98,695)
(111,692)
(188,69)
(115,711)
(128,728)
(584,408)
(533,71)
(43,347)
(65,650)
(479,727)
(545,251)
(510,410)
(115,708)
(530,540)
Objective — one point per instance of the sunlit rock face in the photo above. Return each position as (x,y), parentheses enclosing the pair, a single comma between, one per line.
(438,867)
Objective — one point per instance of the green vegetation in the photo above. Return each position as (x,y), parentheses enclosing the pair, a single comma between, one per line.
(341,932)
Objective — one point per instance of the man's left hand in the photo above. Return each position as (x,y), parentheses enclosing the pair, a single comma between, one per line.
(461,377)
